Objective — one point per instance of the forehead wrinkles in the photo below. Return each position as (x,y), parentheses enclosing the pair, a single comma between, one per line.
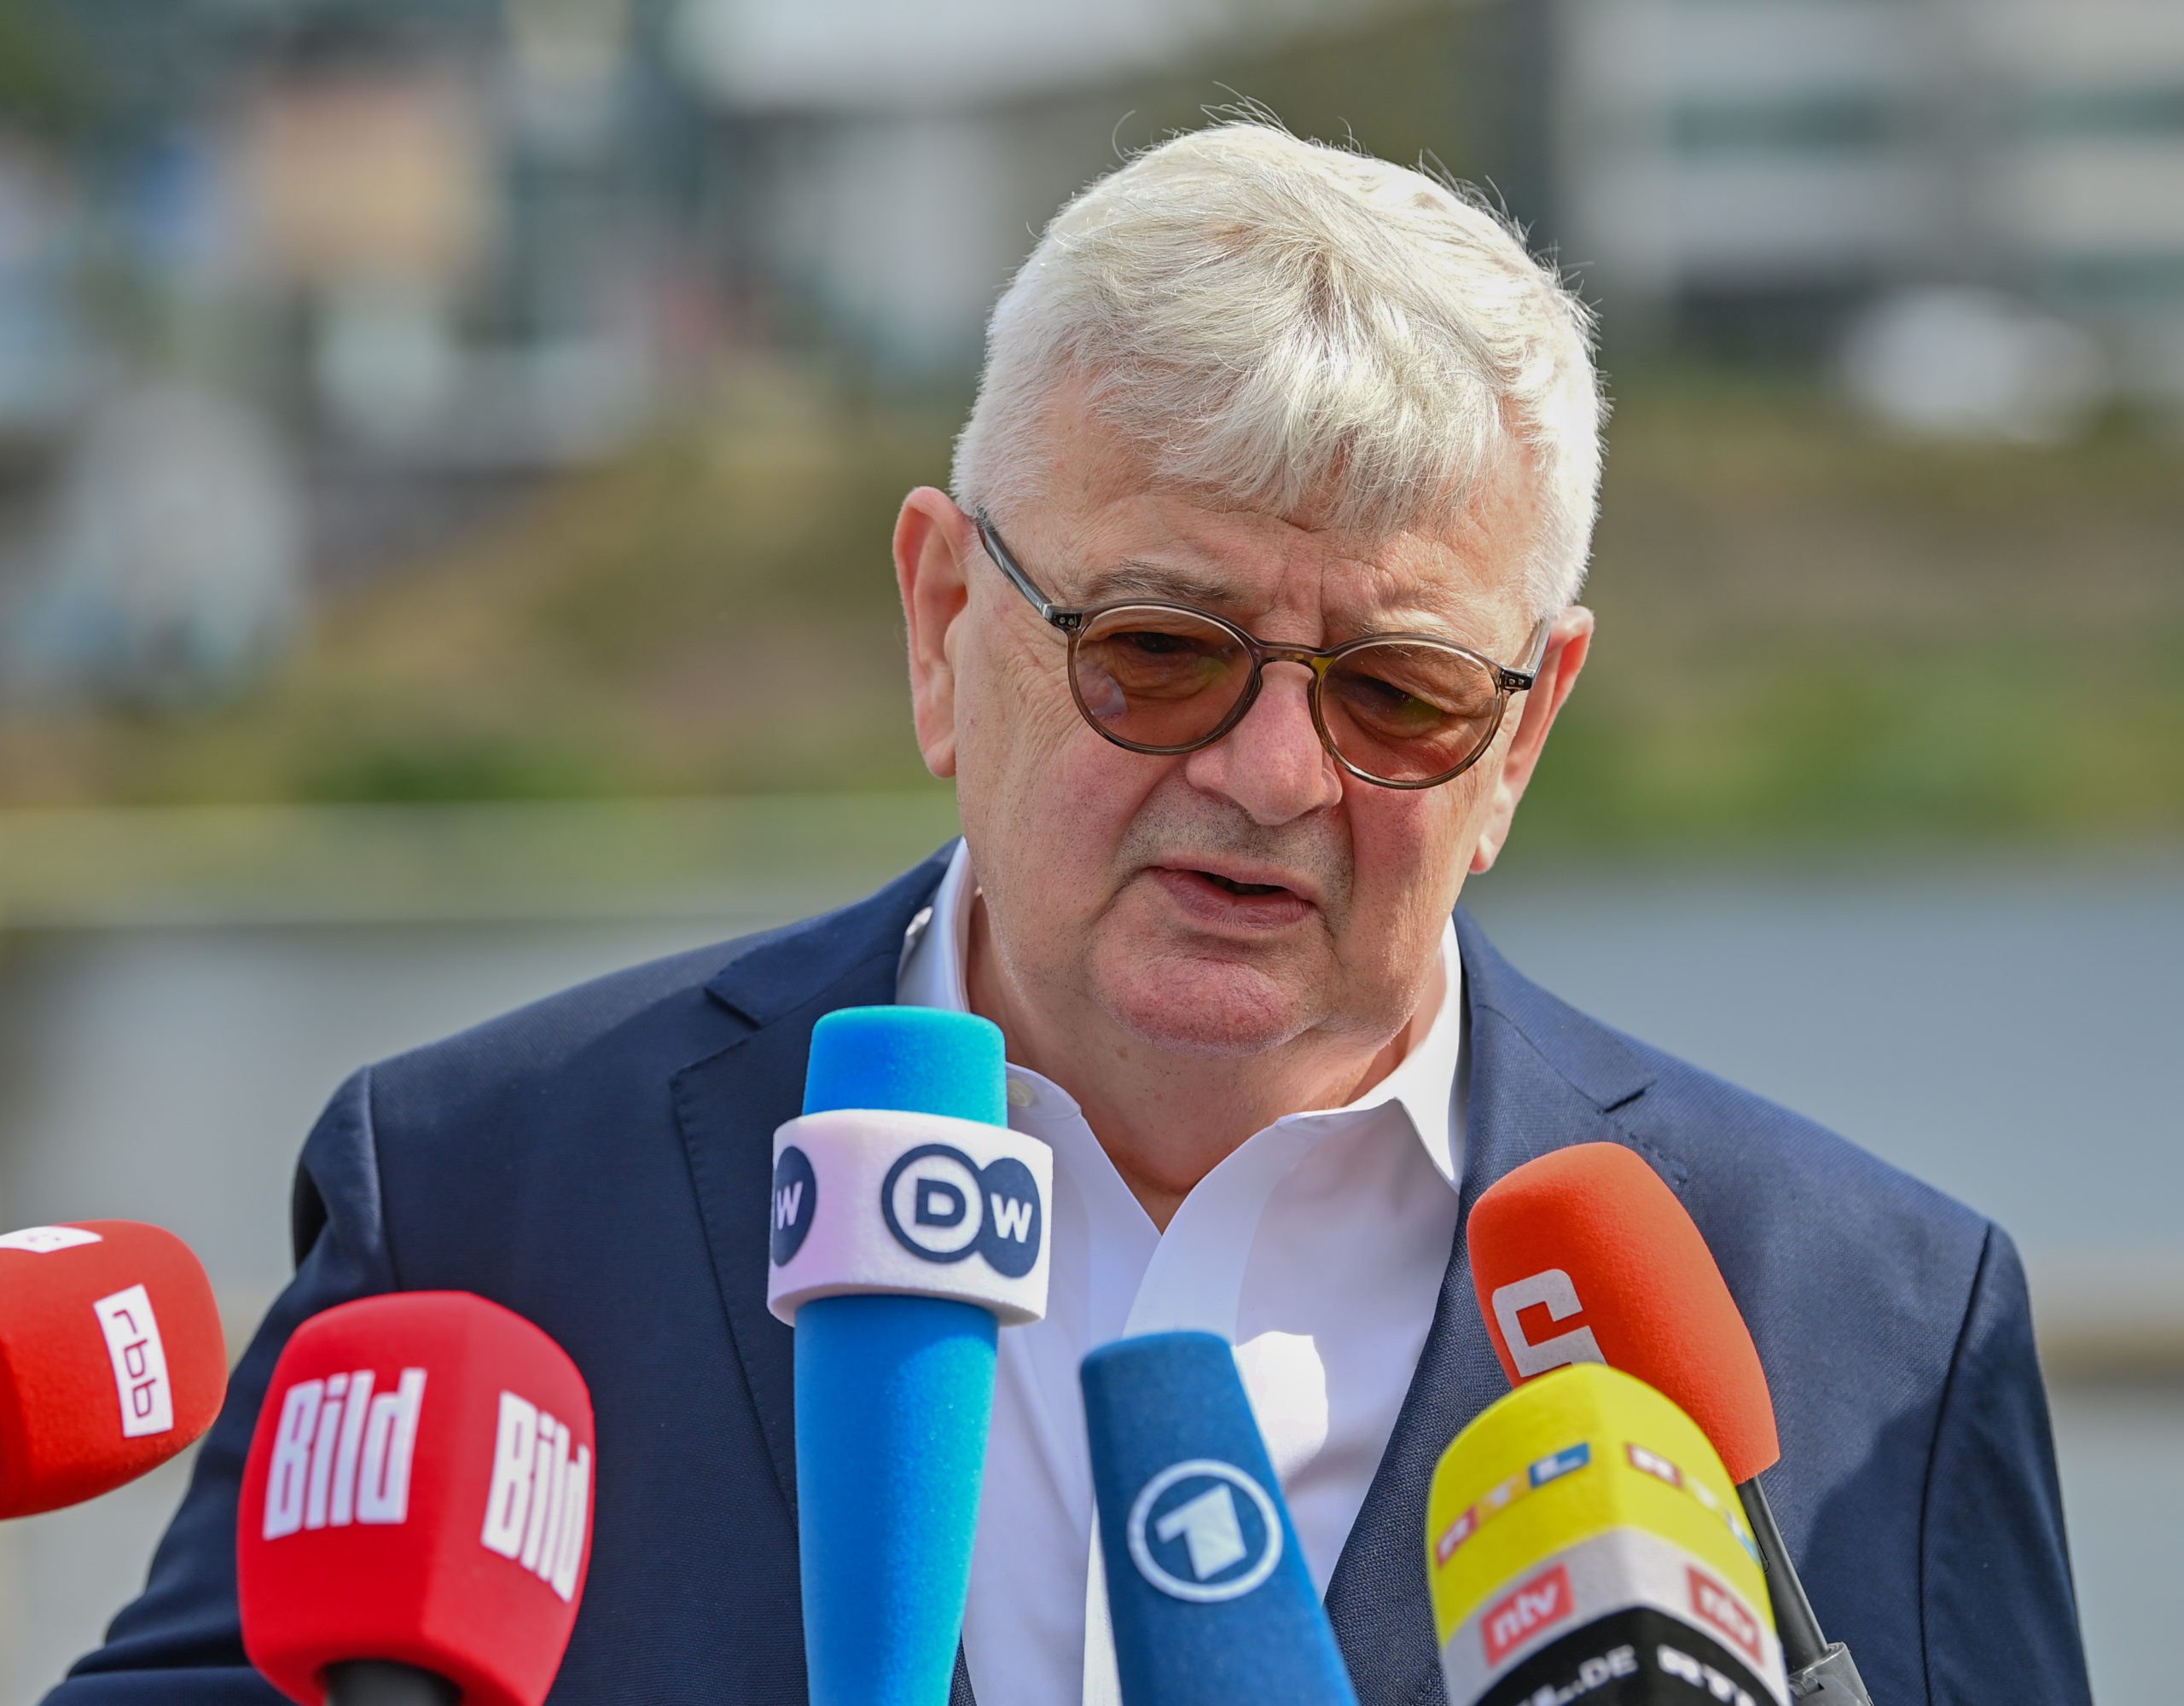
(1084,533)
(1357,593)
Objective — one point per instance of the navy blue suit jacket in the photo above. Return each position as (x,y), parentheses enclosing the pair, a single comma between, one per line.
(601,1163)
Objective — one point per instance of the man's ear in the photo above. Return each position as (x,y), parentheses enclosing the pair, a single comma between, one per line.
(1569,641)
(932,542)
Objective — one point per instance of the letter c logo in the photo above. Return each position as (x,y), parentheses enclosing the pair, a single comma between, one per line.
(1553,1288)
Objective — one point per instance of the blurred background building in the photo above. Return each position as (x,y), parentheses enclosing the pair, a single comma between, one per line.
(360,272)
(1759,176)
(447,454)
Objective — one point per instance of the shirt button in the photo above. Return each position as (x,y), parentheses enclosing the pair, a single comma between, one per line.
(1019,1093)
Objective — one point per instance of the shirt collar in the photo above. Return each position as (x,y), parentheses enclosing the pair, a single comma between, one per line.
(937,946)
(1424,1084)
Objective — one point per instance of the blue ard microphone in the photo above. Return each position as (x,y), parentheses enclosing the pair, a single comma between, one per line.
(909,1226)
(1207,1589)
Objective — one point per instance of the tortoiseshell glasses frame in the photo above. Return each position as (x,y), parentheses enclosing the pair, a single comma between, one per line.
(1399,711)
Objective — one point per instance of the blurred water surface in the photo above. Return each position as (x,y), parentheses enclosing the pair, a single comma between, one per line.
(1991,1023)
(1997,1028)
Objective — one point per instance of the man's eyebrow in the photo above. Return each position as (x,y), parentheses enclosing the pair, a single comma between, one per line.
(1134,579)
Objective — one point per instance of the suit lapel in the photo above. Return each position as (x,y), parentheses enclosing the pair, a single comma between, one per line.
(729,1103)
(1540,1076)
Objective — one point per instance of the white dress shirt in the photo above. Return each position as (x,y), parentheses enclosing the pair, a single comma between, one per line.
(1317,1249)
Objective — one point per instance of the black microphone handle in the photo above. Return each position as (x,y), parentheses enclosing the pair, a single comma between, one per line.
(1820,1669)
(381,1682)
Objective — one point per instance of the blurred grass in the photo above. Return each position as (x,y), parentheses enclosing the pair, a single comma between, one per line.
(715,613)
(748,860)
(1805,630)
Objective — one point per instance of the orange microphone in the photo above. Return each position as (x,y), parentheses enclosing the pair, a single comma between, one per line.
(1584,1255)
(111,1359)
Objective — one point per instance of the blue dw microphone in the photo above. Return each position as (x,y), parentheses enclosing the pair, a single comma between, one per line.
(1207,1589)
(908,1226)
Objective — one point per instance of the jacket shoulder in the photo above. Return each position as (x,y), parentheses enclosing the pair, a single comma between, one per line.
(648,1022)
(657,1008)
(1894,1326)
(435,1115)
(1788,1152)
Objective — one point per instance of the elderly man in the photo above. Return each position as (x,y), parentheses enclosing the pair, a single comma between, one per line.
(1242,637)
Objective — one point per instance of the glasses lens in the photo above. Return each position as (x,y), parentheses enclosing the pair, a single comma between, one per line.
(1408,712)
(1153,676)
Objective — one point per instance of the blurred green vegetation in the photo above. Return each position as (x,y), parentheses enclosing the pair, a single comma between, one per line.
(46,88)
(1805,630)
(1808,628)
(715,612)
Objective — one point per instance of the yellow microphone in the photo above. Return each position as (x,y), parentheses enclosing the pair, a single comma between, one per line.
(1584,1543)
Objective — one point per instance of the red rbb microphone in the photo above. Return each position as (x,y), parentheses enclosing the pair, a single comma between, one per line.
(417,1500)
(111,1359)
(1585,1256)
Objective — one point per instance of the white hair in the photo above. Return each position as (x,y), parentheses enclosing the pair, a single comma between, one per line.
(1291,327)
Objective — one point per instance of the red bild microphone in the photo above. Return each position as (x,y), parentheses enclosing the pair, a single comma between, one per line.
(1585,1256)
(416,1511)
(111,1359)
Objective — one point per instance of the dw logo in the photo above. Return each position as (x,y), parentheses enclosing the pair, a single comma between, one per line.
(1193,1539)
(796,1203)
(941,1208)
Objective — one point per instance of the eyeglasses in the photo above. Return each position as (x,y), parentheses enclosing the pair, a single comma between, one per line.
(1403,711)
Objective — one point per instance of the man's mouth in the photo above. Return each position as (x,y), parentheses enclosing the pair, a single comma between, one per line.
(1237,888)
(1216,898)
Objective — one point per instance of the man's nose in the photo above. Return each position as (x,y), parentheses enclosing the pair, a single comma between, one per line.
(1272,764)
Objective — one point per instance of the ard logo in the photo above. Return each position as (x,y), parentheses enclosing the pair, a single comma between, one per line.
(1532,1606)
(1203,1531)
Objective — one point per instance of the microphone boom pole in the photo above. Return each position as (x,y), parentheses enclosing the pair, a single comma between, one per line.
(1820,1669)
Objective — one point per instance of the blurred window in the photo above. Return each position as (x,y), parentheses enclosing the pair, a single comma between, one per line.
(1817,123)
(2148,112)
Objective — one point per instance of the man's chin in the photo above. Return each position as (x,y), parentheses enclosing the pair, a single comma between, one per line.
(1212,1010)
